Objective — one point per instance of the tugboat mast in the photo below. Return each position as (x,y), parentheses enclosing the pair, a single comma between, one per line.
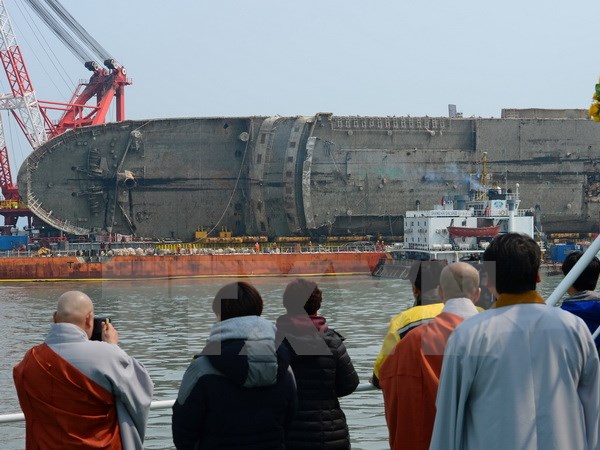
(481,194)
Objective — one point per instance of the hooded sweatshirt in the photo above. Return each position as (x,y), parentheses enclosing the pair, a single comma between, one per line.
(238,393)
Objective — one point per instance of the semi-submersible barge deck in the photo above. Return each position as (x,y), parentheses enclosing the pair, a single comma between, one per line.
(136,267)
(306,175)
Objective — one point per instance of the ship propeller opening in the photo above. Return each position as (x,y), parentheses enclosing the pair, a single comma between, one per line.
(127,179)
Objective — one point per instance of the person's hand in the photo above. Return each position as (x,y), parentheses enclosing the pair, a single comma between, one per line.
(109,333)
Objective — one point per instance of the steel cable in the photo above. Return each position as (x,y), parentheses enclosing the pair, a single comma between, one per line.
(78,50)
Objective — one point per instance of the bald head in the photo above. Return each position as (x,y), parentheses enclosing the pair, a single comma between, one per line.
(75,307)
(459,279)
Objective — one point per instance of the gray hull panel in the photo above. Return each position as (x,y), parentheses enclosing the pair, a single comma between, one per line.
(280,176)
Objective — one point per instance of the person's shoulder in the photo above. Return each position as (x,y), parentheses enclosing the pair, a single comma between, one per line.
(197,377)
(549,317)
(332,333)
(416,333)
(333,339)
(198,368)
(406,349)
(585,295)
(419,312)
(104,347)
(424,309)
(467,335)
(414,317)
(568,323)
(589,300)
(476,322)
(562,315)
(105,352)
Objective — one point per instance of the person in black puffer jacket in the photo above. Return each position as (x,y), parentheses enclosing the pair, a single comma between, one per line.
(322,368)
(239,393)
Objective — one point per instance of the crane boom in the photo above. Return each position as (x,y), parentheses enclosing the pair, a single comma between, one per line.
(23,104)
(22,100)
(32,114)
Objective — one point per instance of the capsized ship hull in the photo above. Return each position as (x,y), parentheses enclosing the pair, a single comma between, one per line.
(63,268)
(306,175)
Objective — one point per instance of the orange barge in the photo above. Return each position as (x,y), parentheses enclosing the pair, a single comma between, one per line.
(65,268)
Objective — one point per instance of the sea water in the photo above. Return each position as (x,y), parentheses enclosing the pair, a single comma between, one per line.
(164,323)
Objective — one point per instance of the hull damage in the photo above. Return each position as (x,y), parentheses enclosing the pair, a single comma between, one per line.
(305,175)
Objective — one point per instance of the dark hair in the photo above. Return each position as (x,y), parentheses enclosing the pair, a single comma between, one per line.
(236,300)
(425,275)
(588,279)
(512,262)
(302,294)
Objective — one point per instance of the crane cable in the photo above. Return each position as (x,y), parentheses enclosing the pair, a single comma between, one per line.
(77,49)
(237,180)
(49,53)
(78,30)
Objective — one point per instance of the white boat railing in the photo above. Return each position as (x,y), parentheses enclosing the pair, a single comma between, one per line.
(158,404)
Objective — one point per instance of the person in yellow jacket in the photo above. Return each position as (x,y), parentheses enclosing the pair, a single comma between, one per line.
(424,277)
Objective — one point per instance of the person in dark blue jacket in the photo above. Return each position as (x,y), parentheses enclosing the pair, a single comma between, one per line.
(239,393)
(583,301)
(322,368)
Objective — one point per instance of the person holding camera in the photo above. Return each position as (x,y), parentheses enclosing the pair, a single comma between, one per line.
(80,393)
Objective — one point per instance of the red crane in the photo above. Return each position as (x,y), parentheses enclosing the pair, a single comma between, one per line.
(33,116)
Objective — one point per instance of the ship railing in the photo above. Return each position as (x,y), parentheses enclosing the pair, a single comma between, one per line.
(94,250)
(159,404)
(512,196)
(518,212)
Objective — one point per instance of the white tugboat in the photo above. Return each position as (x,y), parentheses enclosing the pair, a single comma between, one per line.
(459,229)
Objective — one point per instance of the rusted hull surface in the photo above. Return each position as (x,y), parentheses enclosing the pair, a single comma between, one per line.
(321,175)
(187,266)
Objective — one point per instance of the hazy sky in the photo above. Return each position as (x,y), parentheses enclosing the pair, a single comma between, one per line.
(349,57)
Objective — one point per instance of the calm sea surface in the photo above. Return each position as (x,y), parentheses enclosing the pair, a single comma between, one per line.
(163,323)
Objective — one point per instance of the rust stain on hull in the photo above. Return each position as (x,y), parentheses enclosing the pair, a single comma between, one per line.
(66,268)
(321,175)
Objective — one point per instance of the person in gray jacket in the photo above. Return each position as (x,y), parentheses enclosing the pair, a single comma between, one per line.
(97,395)
(239,392)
